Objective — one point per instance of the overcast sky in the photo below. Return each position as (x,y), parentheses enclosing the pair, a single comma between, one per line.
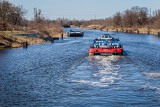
(82,9)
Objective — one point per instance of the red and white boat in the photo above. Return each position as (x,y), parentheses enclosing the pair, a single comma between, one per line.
(106,45)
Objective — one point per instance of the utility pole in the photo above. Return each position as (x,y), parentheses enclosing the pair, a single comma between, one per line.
(3,15)
(149,21)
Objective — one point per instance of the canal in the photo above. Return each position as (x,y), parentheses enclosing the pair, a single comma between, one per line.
(61,74)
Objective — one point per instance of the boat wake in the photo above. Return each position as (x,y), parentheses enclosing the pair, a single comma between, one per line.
(153,75)
(97,71)
(148,87)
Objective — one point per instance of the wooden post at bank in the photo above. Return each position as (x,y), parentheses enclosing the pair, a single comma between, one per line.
(159,34)
(116,30)
(25,44)
(52,40)
(137,31)
(148,32)
(62,36)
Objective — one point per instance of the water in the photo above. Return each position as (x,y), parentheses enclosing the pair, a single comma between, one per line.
(61,74)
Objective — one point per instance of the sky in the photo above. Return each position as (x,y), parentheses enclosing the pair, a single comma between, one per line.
(82,9)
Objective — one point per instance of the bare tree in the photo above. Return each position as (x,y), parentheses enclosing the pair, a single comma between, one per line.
(11,14)
(155,20)
(38,17)
(136,16)
(117,19)
(129,18)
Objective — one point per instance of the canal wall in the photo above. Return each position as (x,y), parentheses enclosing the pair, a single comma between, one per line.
(124,30)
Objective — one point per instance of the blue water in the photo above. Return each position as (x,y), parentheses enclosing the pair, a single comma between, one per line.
(61,74)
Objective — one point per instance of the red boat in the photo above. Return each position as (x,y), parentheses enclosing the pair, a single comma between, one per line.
(106,51)
(106,45)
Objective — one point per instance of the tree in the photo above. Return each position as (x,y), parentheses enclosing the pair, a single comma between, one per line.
(140,14)
(10,13)
(155,20)
(129,18)
(38,17)
(117,19)
(136,16)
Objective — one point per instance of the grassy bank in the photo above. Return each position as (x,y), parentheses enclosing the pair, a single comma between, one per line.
(8,39)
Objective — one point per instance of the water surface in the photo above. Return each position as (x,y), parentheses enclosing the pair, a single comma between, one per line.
(61,74)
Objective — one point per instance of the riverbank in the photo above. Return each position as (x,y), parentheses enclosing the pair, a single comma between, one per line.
(15,39)
(123,29)
(8,39)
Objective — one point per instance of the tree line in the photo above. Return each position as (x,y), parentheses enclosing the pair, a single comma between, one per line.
(12,16)
(135,17)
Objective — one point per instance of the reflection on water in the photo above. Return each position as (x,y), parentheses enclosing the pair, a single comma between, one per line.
(61,74)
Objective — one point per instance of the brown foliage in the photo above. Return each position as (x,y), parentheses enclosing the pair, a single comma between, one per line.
(10,15)
(3,25)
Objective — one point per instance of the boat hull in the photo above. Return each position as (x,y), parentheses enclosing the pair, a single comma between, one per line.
(76,35)
(105,51)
